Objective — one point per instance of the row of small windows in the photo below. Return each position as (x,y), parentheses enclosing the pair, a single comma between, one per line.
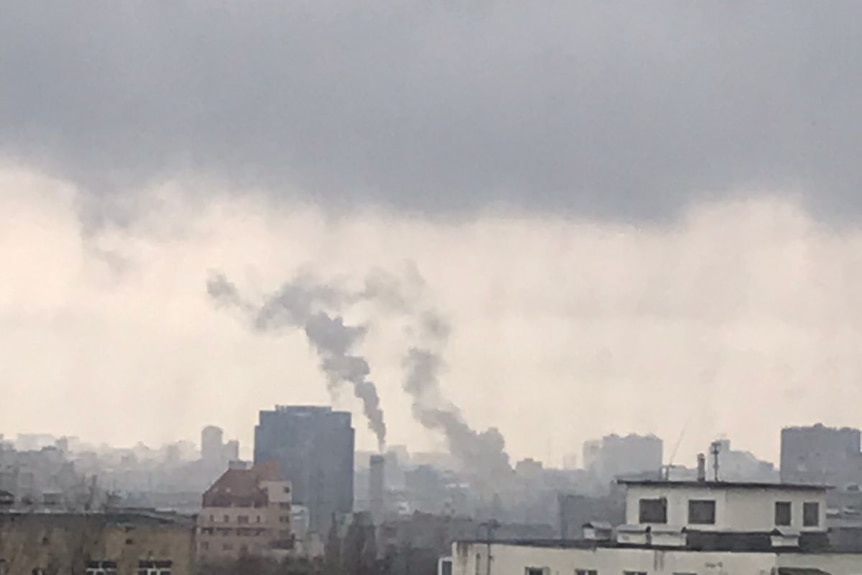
(810,514)
(227,531)
(702,512)
(240,519)
(110,568)
(546,571)
(246,518)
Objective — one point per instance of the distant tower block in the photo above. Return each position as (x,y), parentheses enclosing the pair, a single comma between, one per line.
(377,472)
(211,443)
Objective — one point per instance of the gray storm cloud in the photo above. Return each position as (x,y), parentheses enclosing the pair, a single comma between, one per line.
(297,306)
(608,109)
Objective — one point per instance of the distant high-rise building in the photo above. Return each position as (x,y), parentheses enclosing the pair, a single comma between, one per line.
(376,488)
(591,453)
(617,456)
(821,455)
(734,465)
(314,446)
(230,450)
(211,443)
(215,452)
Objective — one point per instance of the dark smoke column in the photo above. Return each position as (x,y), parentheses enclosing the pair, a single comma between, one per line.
(301,304)
(377,488)
(482,455)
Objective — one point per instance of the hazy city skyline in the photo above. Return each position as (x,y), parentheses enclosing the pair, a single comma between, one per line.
(646,222)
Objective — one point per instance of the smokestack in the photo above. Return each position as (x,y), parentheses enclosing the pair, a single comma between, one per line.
(377,471)
(701,467)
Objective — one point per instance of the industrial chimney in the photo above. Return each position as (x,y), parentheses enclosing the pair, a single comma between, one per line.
(376,504)
(701,467)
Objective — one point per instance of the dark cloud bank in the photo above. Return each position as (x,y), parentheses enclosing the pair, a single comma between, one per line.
(600,109)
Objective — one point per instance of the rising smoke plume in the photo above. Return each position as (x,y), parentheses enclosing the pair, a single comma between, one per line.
(482,455)
(301,304)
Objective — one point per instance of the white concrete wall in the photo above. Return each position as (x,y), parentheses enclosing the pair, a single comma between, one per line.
(471,559)
(836,564)
(735,509)
(514,560)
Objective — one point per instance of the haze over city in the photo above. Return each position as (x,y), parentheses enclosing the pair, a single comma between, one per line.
(630,219)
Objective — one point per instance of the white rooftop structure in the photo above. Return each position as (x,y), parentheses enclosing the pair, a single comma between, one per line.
(725,506)
(683,527)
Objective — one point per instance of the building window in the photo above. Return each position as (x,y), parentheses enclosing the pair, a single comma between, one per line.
(284,519)
(810,514)
(101,568)
(287,489)
(205,545)
(783,516)
(154,567)
(242,519)
(285,505)
(652,511)
(227,518)
(634,573)
(536,570)
(701,512)
(586,572)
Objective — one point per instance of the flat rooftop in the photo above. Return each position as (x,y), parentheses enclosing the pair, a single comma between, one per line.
(112,517)
(696,541)
(723,484)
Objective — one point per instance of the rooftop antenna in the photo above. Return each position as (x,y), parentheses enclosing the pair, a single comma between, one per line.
(714,448)
(670,464)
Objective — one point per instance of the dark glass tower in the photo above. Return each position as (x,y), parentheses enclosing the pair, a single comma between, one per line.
(314,448)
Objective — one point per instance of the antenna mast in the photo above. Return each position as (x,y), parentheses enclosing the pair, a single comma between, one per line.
(667,468)
(714,449)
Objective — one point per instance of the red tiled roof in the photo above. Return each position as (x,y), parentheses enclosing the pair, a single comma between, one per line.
(241,487)
(268,471)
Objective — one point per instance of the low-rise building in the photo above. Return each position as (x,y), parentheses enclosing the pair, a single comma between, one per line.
(246,511)
(110,543)
(689,527)
(725,506)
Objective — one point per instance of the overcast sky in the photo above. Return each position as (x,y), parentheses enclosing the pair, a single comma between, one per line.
(635,215)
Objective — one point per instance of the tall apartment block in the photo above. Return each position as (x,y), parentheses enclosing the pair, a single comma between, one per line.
(821,455)
(314,448)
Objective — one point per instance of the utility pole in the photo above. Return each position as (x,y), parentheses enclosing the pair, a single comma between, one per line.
(490,527)
(714,449)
